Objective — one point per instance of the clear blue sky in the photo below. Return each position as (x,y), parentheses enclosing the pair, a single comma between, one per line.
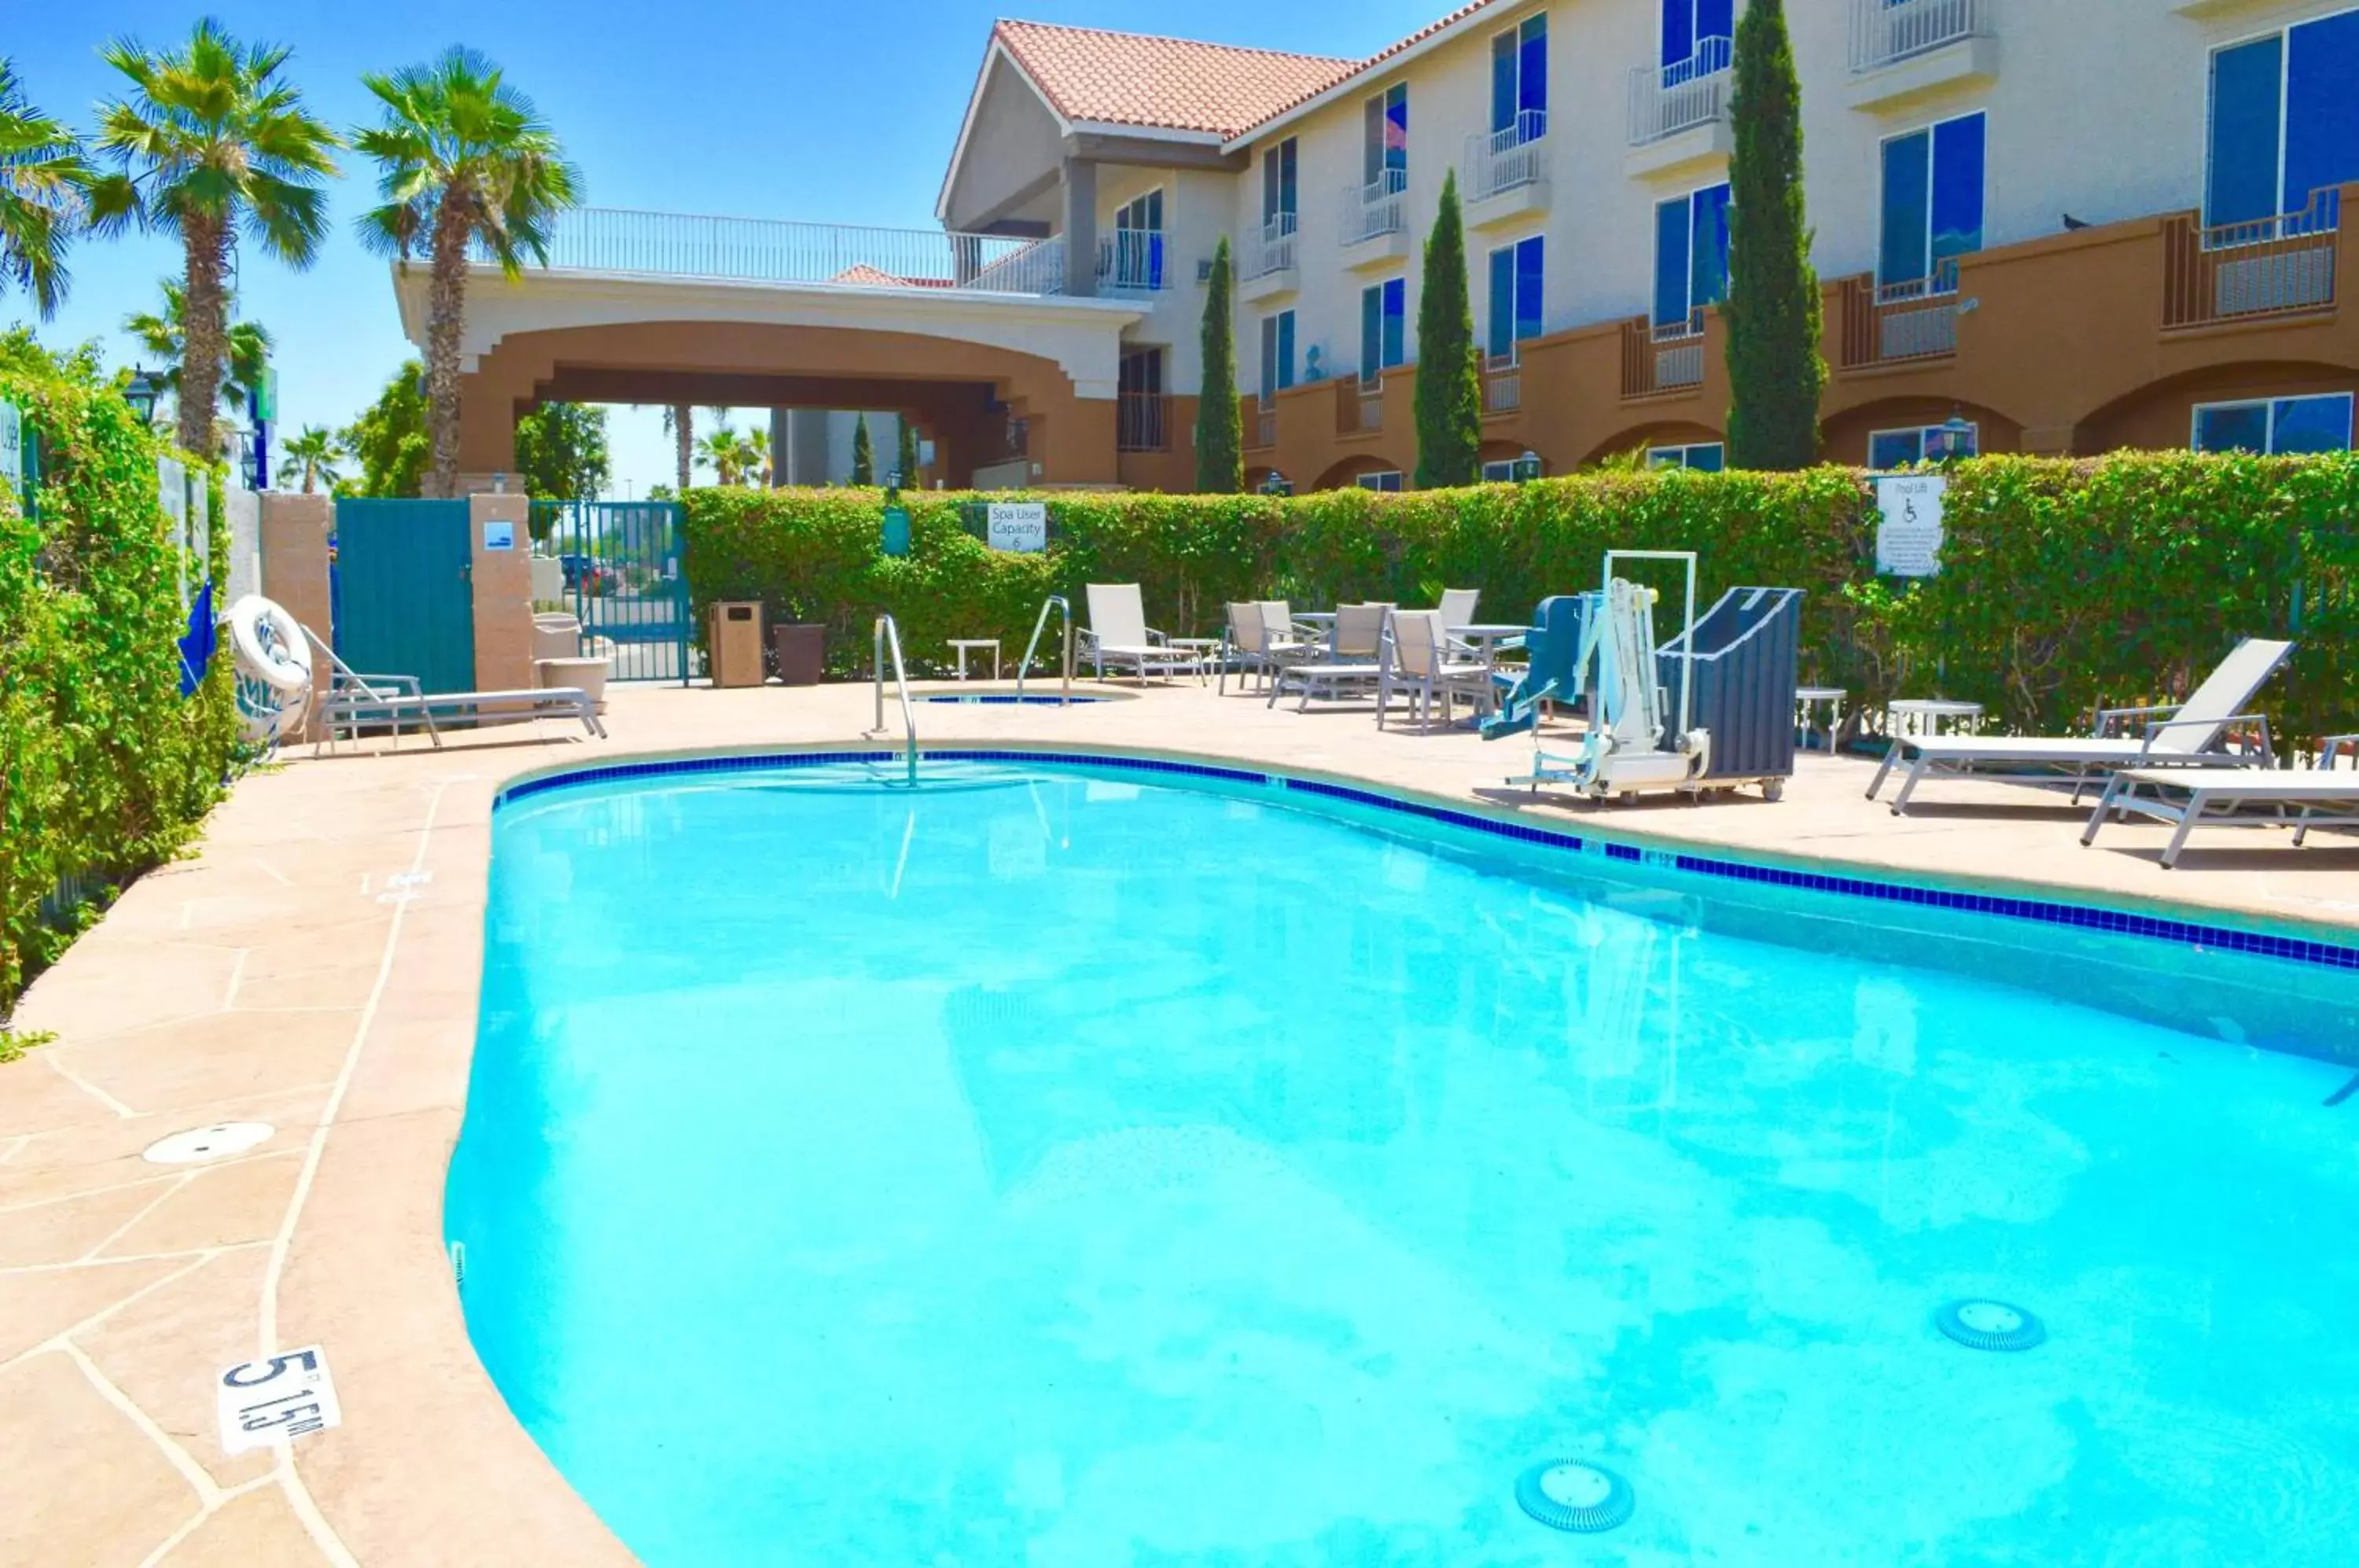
(829,113)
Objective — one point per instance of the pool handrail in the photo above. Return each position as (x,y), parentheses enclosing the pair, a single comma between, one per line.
(1065,608)
(889,636)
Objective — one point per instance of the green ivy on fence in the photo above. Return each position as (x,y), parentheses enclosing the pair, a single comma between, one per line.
(104,769)
(2064,586)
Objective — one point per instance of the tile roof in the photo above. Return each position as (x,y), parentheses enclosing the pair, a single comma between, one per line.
(1380,56)
(1135,78)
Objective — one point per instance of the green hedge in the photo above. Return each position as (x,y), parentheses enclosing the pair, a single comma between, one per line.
(104,769)
(2065,585)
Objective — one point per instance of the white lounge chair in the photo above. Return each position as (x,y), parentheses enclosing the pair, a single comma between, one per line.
(1458,607)
(2186,735)
(1119,635)
(1427,664)
(357,701)
(1354,658)
(2298,797)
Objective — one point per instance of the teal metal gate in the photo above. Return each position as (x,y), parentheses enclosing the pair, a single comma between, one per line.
(626,577)
(404,597)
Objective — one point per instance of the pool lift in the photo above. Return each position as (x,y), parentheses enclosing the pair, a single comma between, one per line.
(888,639)
(1064,607)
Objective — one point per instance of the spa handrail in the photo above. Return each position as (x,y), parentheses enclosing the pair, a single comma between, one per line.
(1065,608)
(889,636)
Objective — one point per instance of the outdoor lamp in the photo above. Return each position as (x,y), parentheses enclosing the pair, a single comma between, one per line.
(140,393)
(1956,430)
(1277,484)
(1526,468)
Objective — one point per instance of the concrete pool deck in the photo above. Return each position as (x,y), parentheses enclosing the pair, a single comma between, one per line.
(314,966)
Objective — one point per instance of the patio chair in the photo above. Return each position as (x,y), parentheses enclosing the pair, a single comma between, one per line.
(356,702)
(1353,657)
(1119,635)
(2298,797)
(1261,636)
(2184,735)
(1428,665)
(1458,607)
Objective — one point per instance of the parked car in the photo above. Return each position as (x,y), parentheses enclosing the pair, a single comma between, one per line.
(584,574)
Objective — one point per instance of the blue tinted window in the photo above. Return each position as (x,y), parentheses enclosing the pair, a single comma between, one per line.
(1671,263)
(2321,118)
(1710,457)
(1714,19)
(1690,255)
(2242,182)
(1531,91)
(1679,30)
(2310,424)
(2233,427)
(1501,339)
(1503,81)
(1527,287)
(1708,284)
(1688,25)
(1396,321)
(1907,209)
(1371,333)
(1957,194)
(1892,449)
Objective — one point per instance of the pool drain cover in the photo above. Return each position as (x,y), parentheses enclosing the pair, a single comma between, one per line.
(1574,1495)
(198,1145)
(1990,1326)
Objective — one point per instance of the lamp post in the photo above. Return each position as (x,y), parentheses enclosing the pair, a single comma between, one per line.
(140,393)
(1526,468)
(1277,484)
(1957,432)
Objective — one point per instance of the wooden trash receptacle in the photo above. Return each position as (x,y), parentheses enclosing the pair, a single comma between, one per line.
(735,645)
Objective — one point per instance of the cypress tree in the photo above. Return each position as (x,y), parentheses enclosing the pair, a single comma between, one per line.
(1772,309)
(1220,424)
(864,459)
(1449,366)
(908,459)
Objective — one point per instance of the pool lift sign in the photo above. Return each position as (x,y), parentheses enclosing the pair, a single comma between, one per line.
(1908,538)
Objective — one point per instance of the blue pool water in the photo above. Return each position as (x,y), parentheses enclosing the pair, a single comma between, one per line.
(1053,1167)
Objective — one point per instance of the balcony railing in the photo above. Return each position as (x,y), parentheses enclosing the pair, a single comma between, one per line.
(1892,323)
(1505,159)
(1131,260)
(1271,251)
(1885,32)
(2282,266)
(1662,358)
(1359,406)
(761,250)
(1142,422)
(1378,208)
(1503,384)
(1261,423)
(1669,99)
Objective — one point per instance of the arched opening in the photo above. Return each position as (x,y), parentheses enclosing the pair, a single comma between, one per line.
(2162,415)
(1365,469)
(1695,445)
(1496,460)
(1897,431)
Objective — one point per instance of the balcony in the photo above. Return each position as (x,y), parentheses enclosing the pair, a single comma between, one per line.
(1506,171)
(1678,113)
(761,250)
(1131,261)
(1373,226)
(1271,269)
(1903,50)
(1899,323)
(1359,406)
(1663,360)
(1503,385)
(1142,422)
(2242,272)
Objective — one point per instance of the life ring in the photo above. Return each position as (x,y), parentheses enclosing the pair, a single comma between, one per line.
(271,647)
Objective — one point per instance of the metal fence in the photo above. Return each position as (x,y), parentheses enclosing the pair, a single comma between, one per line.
(2276,266)
(1378,208)
(762,250)
(1883,32)
(1506,158)
(1669,99)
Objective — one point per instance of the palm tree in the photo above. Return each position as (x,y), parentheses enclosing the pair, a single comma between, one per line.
(312,458)
(164,335)
(465,162)
(214,146)
(727,453)
(44,188)
(679,423)
(758,456)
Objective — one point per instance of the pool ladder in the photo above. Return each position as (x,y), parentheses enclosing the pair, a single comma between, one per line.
(1058,603)
(888,639)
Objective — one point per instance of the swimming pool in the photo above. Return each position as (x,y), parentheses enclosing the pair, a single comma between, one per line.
(1069,1164)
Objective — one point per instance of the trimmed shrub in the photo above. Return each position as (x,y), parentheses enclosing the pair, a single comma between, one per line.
(2065,585)
(104,769)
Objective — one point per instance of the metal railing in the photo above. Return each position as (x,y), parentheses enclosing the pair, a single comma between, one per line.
(1894,323)
(888,639)
(1142,422)
(1360,406)
(762,250)
(1660,358)
(1884,32)
(1064,607)
(1666,99)
(1131,261)
(1272,251)
(1378,208)
(1503,384)
(1505,159)
(2279,266)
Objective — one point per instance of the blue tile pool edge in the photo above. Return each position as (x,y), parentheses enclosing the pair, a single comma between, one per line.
(2169,929)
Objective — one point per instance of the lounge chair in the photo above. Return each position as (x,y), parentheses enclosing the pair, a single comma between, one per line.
(2298,797)
(1119,635)
(1427,664)
(1354,658)
(356,702)
(2184,735)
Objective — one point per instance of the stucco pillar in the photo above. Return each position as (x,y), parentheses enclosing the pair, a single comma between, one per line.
(487,416)
(502,592)
(1081,227)
(294,530)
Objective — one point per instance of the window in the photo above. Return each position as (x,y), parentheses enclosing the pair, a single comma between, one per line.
(1499,470)
(2285,121)
(1690,256)
(2275,426)
(1519,82)
(1696,37)
(1515,272)
(1276,354)
(1707,457)
(1139,407)
(1932,204)
(1381,314)
(1137,259)
(1926,444)
(1277,189)
(1387,480)
(1384,141)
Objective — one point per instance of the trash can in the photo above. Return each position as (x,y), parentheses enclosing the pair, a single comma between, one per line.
(800,652)
(735,645)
